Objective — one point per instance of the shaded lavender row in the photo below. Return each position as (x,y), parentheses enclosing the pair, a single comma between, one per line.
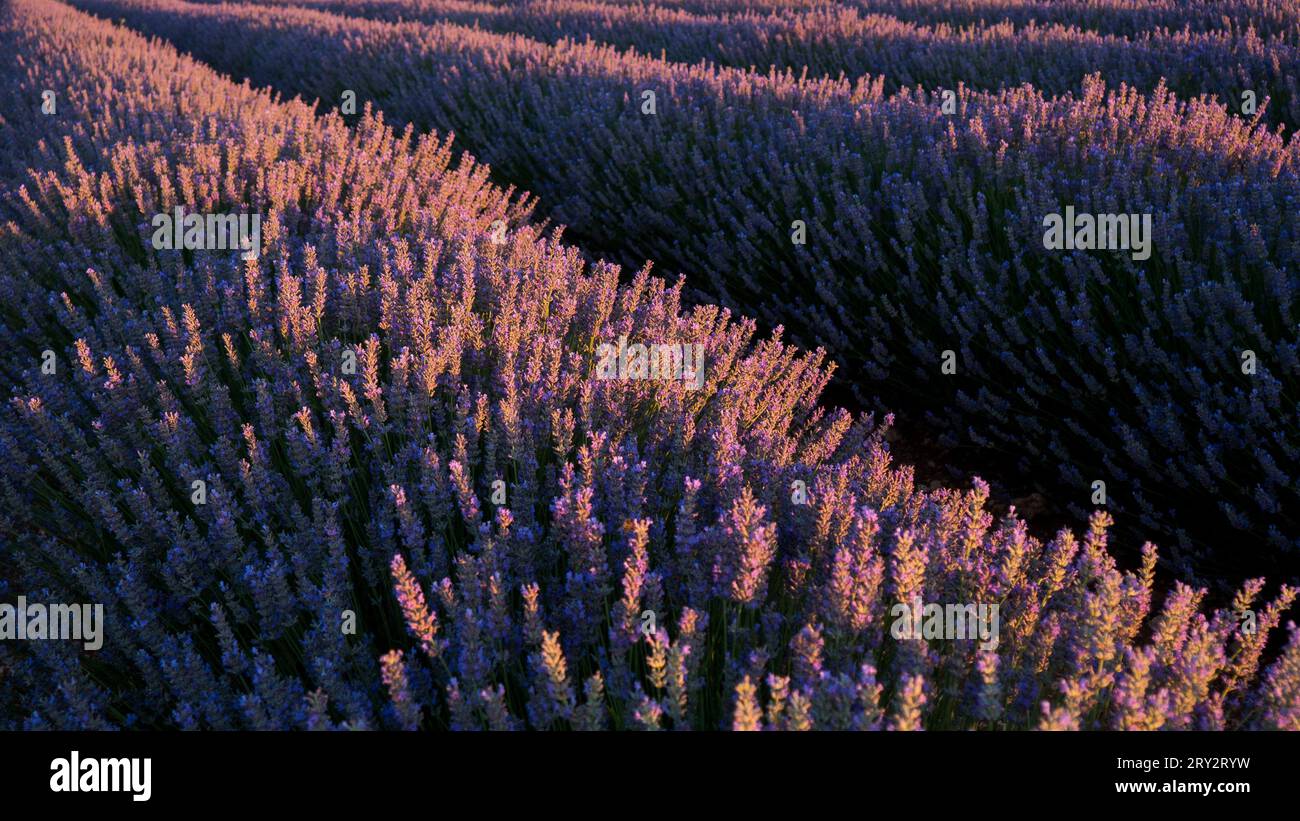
(1124,17)
(327,490)
(925,234)
(1054,59)
(1270,18)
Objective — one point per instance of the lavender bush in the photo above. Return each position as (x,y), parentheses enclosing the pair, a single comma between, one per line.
(521,542)
(924,235)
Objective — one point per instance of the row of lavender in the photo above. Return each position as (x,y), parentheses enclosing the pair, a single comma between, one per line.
(834,39)
(517,541)
(1127,17)
(908,241)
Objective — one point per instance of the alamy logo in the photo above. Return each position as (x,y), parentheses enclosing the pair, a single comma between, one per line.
(1100,232)
(673,361)
(53,622)
(75,774)
(951,622)
(208,232)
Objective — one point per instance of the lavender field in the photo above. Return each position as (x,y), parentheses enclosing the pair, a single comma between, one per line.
(608,365)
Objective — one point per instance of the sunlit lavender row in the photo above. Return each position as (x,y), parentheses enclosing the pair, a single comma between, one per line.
(834,39)
(907,240)
(474,526)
